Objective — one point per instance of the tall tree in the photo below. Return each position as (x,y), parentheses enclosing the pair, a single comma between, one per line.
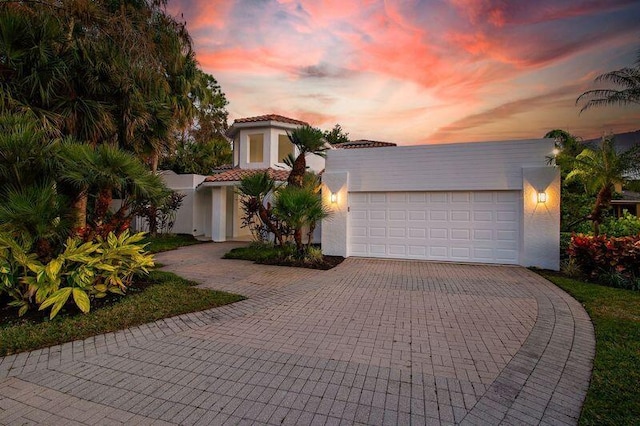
(308,140)
(202,146)
(336,135)
(600,169)
(627,92)
(103,71)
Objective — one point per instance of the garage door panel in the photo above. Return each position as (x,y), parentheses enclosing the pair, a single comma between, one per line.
(460,197)
(484,197)
(397,232)
(438,215)
(478,226)
(460,215)
(377,198)
(400,215)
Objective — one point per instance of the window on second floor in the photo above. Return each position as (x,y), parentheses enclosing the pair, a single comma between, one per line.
(285,147)
(256,148)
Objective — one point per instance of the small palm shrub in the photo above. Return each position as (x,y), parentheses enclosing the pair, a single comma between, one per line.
(81,272)
(299,207)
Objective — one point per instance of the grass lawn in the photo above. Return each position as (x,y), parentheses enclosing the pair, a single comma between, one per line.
(614,394)
(257,252)
(162,295)
(168,242)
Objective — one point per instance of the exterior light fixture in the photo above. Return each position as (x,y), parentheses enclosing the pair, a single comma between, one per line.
(556,151)
(542,197)
(334,198)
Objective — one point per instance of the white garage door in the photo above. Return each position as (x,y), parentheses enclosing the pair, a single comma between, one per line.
(481,226)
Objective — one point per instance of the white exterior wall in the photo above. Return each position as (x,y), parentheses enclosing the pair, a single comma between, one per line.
(541,221)
(188,216)
(334,233)
(315,163)
(270,137)
(478,166)
(450,167)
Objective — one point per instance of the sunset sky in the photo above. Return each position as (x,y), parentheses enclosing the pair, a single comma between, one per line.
(415,72)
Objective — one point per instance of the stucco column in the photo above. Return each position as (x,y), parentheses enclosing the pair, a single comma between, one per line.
(219,213)
(335,228)
(541,219)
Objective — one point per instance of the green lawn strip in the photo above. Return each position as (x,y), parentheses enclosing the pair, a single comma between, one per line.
(169,296)
(169,242)
(256,252)
(614,393)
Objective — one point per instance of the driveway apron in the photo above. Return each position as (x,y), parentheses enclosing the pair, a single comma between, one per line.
(368,342)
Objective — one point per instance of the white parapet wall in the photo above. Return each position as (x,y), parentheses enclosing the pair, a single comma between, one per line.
(190,215)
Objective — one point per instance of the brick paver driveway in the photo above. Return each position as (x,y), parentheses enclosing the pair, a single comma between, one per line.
(369,342)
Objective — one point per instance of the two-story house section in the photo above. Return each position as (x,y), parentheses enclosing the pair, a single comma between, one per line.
(260,144)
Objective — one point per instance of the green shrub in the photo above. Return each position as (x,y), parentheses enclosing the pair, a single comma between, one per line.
(313,254)
(613,261)
(624,226)
(80,272)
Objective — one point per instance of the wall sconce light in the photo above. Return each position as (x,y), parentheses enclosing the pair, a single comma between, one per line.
(334,198)
(542,197)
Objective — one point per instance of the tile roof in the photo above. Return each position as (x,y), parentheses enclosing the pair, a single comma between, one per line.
(627,196)
(270,117)
(236,175)
(222,168)
(363,143)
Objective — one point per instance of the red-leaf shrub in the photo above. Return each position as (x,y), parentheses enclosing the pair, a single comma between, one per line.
(607,255)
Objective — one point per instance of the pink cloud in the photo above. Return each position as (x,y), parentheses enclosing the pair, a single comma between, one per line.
(201,14)
(476,54)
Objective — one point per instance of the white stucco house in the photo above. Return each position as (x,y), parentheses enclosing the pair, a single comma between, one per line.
(479,202)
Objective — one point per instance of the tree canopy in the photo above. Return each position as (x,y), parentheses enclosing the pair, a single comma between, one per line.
(626,92)
(105,71)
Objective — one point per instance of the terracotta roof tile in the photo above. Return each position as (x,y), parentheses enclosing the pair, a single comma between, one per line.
(270,117)
(236,175)
(222,168)
(363,143)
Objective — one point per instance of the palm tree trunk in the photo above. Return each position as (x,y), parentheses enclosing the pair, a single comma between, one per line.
(296,177)
(312,228)
(80,209)
(297,237)
(264,216)
(155,158)
(103,203)
(602,202)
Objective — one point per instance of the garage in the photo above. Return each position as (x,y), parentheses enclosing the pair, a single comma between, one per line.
(462,226)
(481,202)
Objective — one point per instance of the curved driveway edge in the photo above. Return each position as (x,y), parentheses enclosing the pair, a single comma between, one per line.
(369,342)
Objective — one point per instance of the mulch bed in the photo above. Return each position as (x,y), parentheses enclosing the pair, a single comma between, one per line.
(326,263)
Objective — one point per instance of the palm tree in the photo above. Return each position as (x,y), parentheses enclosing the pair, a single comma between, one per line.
(600,169)
(299,207)
(256,188)
(31,205)
(105,170)
(628,92)
(308,140)
(115,72)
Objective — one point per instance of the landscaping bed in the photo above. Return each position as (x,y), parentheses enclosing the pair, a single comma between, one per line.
(613,397)
(269,254)
(156,296)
